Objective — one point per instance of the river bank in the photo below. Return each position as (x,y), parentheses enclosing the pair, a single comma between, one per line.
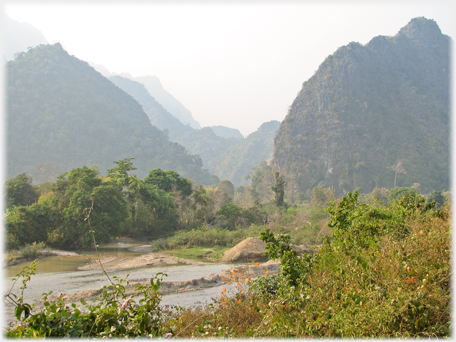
(11,260)
(116,263)
(185,285)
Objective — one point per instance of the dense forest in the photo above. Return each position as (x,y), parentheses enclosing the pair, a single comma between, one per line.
(63,114)
(372,116)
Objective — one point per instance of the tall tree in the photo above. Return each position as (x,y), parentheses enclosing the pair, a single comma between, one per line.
(278,189)
(20,191)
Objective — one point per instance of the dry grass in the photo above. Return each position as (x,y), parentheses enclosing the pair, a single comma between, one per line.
(401,289)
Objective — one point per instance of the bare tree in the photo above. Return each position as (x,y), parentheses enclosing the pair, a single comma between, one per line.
(45,172)
(397,168)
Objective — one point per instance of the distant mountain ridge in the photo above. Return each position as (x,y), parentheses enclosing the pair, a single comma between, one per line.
(223,150)
(62,111)
(237,161)
(369,109)
(19,37)
(227,132)
(168,101)
(158,116)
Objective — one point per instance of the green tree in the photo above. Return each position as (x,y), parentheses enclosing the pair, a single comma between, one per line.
(230,213)
(279,190)
(436,197)
(119,174)
(169,181)
(28,224)
(86,203)
(398,193)
(151,210)
(20,191)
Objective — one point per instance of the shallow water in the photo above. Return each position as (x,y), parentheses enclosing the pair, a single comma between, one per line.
(75,281)
(71,263)
(60,274)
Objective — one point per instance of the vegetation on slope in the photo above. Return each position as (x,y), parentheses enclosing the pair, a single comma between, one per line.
(157,115)
(62,113)
(372,116)
(237,161)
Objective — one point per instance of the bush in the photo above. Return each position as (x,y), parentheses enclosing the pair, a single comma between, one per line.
(33,250)
(114,314)
(394,285)
(205,236)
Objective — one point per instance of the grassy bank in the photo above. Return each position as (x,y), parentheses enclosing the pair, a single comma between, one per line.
(212,254)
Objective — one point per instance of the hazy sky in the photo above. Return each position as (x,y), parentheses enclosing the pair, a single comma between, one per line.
(230,63)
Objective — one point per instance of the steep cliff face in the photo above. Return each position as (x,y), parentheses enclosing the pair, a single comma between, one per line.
(367,109)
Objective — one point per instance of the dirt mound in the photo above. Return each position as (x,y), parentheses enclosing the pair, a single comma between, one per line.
(251,249)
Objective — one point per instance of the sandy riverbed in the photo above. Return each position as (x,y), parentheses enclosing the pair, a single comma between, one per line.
(112,263)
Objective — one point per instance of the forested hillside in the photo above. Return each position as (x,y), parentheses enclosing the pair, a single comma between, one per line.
(206,144)
(374,115)
(63,114)
(223,150)
(236,162)
(158,116)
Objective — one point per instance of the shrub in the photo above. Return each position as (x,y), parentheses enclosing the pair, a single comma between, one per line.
(396,285)
(114,314)
(33,250)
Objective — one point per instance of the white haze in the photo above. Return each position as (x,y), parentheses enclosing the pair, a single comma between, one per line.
(232,64)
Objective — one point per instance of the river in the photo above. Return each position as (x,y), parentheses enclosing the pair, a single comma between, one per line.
(60,274)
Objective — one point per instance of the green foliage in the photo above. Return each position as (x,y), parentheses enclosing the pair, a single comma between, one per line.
(33,250)
(234,215)
(62,111)
(114,314)
(437,197)
(205,236)
(279,190)
(226,187)
(81,192)
(398,193)
(262,179)
(321,195)
(360,224)
(294,267)
(20,191)
(119,174)
(26,225)
(398,287)
(169,181)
